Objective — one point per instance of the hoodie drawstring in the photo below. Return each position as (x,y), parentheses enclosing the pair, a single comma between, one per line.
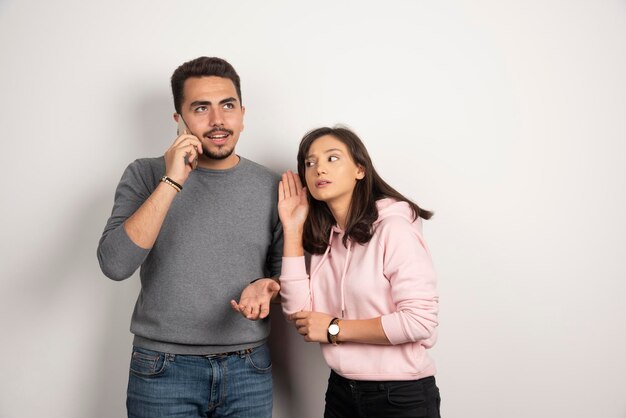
(343,276)
(319,265)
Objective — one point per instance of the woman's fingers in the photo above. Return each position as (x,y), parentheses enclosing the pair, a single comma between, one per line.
(285,182)
(281,191)
(289,185)
(293,191)
(298,182)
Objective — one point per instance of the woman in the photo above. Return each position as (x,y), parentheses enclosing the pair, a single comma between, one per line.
(371,299)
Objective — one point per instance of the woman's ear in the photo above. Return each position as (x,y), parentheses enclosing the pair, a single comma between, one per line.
(360,172)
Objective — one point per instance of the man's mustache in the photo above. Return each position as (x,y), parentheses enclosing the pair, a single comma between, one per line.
(217,130)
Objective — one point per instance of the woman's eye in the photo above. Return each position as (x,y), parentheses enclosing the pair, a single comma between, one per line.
(333,158)
(309,163)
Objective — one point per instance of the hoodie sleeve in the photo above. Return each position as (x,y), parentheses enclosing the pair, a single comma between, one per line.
(410,271)
(294,285)
(119,257)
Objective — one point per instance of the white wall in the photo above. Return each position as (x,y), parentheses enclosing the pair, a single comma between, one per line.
(508,118)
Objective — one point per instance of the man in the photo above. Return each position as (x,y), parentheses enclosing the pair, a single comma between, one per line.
(202,223)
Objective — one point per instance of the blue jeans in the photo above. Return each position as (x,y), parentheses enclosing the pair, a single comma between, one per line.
(172,385)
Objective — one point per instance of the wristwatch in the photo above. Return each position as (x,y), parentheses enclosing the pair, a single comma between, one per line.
(333,331)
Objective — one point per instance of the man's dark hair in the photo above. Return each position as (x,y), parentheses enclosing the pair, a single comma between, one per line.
(202,67)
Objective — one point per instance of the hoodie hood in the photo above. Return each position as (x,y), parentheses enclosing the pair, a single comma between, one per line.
(387,207)
(390,207)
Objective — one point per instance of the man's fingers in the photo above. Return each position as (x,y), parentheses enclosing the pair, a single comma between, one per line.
(265,311)
(189,158)
(182,138)
(187,141)
(252,312)
(274,287)
(191,146)
(196,144)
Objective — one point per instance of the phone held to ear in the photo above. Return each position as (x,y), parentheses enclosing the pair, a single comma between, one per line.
(182,128)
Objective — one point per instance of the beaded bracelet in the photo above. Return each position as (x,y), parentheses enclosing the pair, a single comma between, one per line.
(172,183)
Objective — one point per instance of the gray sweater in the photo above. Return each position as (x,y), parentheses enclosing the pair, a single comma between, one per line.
(221,232)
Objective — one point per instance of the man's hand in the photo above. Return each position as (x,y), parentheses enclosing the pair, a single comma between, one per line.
(182,157)
(255,299)
(312,325)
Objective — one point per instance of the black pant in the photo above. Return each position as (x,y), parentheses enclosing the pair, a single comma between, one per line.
(368,399)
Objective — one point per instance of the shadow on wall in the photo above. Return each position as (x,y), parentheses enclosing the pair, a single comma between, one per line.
(154,131)
(300,373)
(284,393)
(71,322)
(114,339)
(153,127)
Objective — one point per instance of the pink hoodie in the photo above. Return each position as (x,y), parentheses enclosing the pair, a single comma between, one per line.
(392,276)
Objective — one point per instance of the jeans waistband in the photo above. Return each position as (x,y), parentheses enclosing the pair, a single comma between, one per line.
(376,385)
(230,353)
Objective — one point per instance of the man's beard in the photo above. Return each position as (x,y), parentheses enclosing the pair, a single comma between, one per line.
(220,154)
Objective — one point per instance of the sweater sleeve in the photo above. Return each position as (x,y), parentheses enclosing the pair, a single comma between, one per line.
(118,255)
(409,268)
(294,285)
(275,251)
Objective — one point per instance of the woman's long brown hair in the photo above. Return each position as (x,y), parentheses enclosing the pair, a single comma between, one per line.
(362,212)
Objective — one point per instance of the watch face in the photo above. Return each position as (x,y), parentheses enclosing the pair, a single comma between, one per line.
(333,329)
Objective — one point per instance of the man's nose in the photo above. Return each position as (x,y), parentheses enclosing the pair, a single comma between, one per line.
(215,117)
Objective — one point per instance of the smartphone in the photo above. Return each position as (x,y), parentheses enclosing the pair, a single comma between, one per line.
(182,127)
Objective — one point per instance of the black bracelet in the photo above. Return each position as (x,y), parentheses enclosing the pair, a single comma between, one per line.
(168,180)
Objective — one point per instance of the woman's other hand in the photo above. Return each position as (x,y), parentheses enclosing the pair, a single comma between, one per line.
(312,325)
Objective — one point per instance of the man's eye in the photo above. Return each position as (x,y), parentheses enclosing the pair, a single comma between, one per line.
(200,109)
(229,106)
